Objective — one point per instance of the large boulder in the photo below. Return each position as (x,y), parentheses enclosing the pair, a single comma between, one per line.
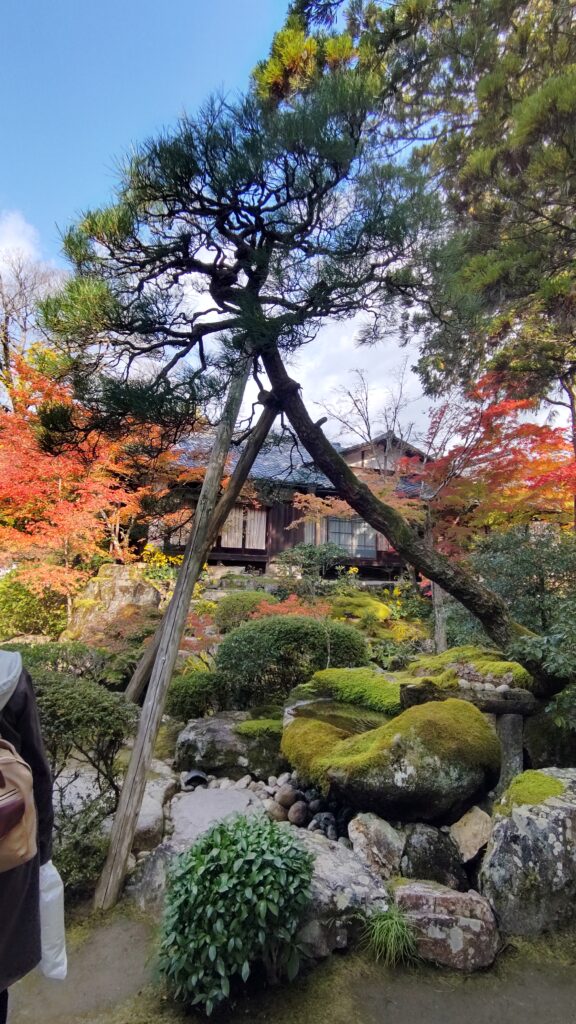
(377,844)
(430,854)
(428,764)
(161,786)
(529,870)
(471,833)
(191,814)
(119,593)
(342,891)
(453,929)
(231,744)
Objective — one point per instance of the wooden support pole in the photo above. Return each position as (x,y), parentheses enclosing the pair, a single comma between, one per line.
(258,435)
(124,827)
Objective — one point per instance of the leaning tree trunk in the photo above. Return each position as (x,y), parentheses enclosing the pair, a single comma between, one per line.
(487,606)
(124,827)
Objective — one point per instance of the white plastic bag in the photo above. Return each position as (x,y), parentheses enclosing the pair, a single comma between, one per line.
(54,963)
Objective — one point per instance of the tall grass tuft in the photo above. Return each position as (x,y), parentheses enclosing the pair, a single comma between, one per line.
(390,938)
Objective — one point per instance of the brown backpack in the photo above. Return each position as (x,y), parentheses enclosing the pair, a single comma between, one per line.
(18,825)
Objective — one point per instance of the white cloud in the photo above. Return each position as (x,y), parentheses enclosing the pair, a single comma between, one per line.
(329,361)
(18,235)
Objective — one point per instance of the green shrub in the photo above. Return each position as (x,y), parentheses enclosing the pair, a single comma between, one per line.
(80,849)
(234,609)
(312,560)
(22,611)
(82,718)
(392,655)
(195,694)
(77,659)
(83,721)
(234,900)
(265,659)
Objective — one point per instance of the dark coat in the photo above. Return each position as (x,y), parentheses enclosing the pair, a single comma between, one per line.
(19,903)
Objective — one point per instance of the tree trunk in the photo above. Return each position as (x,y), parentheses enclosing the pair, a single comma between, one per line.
(143,670)
(487,606)
(126,817)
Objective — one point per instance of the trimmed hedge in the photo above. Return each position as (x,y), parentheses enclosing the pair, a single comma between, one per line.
(195,694)
(266,658)
(234,609)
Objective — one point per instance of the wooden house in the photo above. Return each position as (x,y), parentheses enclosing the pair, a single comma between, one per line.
(257,531)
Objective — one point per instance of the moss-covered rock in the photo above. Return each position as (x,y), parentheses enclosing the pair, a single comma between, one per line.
(352,718)
(365,687)
(530,788)
(473,664)
(428,764)
(529,870)
(231,744)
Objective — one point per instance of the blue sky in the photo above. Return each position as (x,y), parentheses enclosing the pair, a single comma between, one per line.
(81,80)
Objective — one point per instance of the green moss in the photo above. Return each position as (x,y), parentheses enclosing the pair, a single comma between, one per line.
(257,727)
(531,787)
(306,742)
(352,718)
(359,605)
(362,686)
(445,669)
(452,730)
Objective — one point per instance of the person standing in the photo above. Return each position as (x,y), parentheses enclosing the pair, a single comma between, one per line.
(20,944)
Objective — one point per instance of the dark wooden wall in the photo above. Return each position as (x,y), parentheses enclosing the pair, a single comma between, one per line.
(280,516)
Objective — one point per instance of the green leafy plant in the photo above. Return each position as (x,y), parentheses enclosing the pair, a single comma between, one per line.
(393,655)
(77,659)
(312,560)
(234,609)
(389,937)
(264,659)
(562,709)
(234,900)
(22,611)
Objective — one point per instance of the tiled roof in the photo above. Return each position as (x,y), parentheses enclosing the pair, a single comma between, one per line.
(280,460)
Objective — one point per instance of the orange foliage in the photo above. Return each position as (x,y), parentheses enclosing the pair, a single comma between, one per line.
(293,605)
(59,509)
